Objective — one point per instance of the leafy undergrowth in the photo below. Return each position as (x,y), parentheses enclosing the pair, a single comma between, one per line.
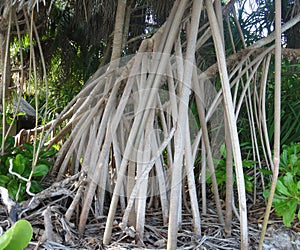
(16,167)
(287,195)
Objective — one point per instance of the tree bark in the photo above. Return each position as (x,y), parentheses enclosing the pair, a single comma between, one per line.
(6,75)
(118,32)
(277,114)
(229,111)
(181,123)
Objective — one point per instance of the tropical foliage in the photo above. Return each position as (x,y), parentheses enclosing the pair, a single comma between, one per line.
(17,237)
(287,196)
(16,167)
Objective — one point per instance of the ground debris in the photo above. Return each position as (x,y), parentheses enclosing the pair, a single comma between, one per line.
(53,231)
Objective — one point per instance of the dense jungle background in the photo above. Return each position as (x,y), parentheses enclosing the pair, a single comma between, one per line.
(149,124)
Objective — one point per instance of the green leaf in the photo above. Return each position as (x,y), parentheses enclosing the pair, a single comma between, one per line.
(223,150)
(40,170)
(218,162)
(266,194)
(9,120)
(9,143)
(248,183)
(284,158)
(297,168)
(279,198)
(29,148)
(265,171)
(47,154)
(19,164)
(289,214)
(288,181)
(293,159)
(13,187)
(4,180)
(5,239)
(20,114)
(35,187)
(220,176)
(282,188)
(247,163)
(281,207)
(17,237)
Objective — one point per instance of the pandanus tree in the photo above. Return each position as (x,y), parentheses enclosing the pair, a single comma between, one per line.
(135,131)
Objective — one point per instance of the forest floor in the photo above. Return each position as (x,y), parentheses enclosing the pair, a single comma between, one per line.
(155,237)
(57,233)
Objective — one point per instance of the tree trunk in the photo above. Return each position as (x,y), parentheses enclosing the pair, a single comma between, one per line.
(277,115)
(6,76)
(118,32)
(229,110)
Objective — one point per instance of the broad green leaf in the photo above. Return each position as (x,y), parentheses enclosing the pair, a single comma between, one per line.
(48,153)
(288,181)
(35,187)
(40,170)
(289,214)
(266,194)
(19,236)
(5,239)
(278,198)
(12,188)
(281,208)
(293,159)
(282,188)
(248,183)
(249,186)
(4,180)
(27,171)
(292,204)
(19,164)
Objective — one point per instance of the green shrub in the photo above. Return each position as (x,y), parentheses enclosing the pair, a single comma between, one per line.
(21,158)
(287,193)
(220,171)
